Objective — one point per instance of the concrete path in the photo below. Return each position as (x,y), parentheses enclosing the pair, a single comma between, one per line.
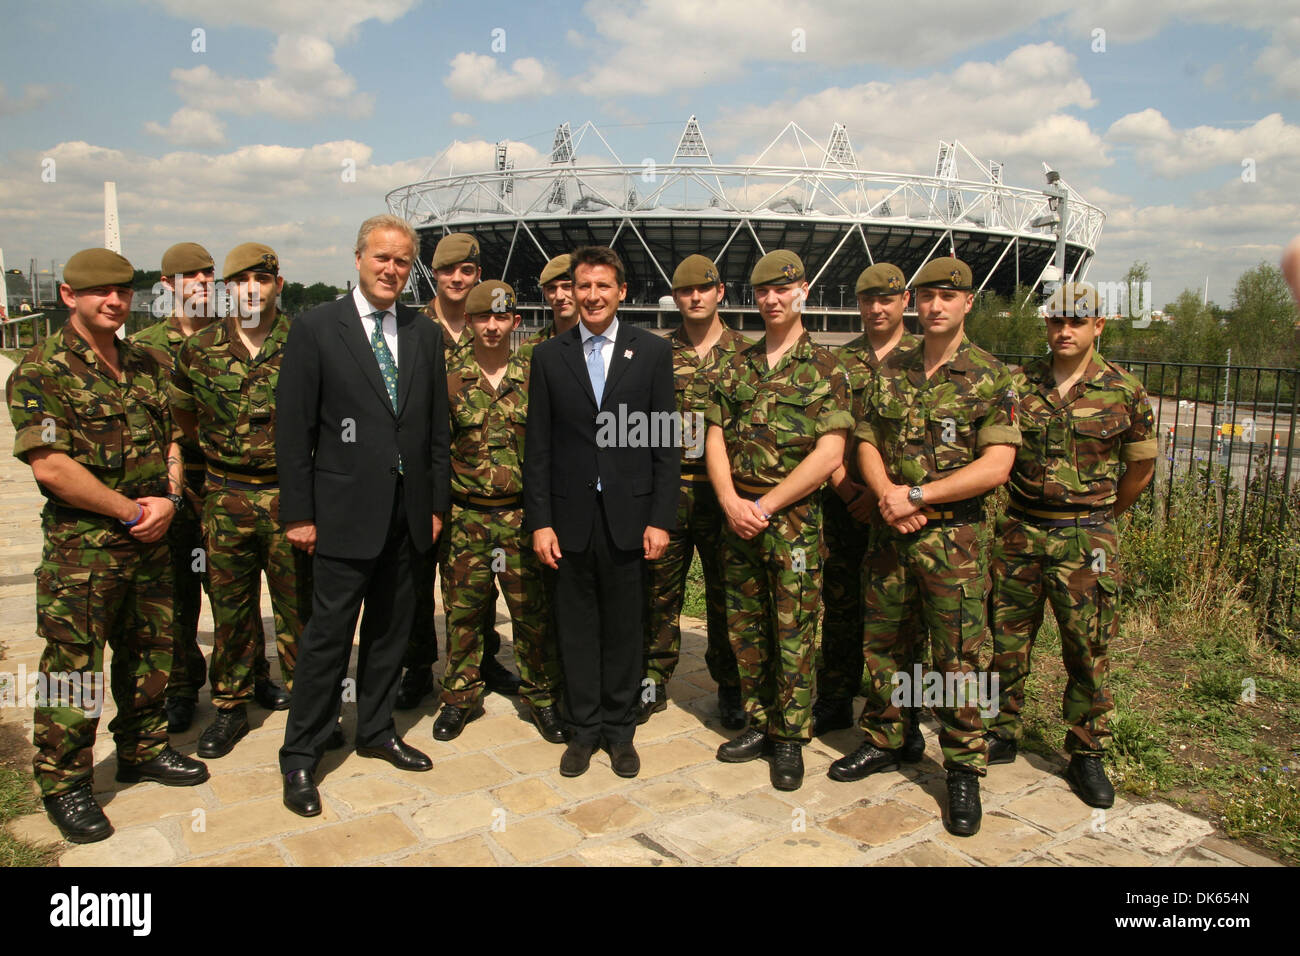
(495,795)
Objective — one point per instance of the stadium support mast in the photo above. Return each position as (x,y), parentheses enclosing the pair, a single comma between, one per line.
(692,145)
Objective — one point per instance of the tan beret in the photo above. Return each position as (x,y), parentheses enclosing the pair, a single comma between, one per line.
(883,278)
(557,268)
(490,296)
(695,270)
(95,267)
(184,258)
(1073,299)
(250,255)
(455,248)
(944,273)
(777,268)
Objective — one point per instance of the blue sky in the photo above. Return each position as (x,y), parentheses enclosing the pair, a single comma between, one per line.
(243,138)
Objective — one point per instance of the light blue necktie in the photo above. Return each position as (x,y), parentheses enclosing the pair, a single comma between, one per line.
(596,366)
(387,367)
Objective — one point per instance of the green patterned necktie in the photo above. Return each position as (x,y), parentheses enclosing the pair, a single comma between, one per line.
(387,367)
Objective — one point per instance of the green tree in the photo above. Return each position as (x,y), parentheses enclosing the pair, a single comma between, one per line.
(1261,325)
(1197,336)
(1007,326)
(296,298)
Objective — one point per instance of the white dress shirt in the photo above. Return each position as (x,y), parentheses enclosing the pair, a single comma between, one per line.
(606,349)
(368,321)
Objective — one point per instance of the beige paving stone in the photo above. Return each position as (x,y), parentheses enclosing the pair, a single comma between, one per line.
(1158,828)
(822,795)
(713,834)
(363,794)
(137,846)
(667,723)
(152,803)
(231,788)
(924,853)
(260,750)
(532,757)
(598,779)
(879,824)
(469,851)
(672,755)
(249,822)
(1000,839)
(567,860)
(1236,851)
(637,850)
(1199,856)
(1095,850)
(462,774)
(444,819)
(263,855)
(1010,778)
(527,796)
(1041,861)
(767,807)
(34,828)
(732,779)
(813,848)
(531,840)
(350,842)
(1057,810)
(929,795)
(607,815)
(683,691)
(669,796)
(491,731)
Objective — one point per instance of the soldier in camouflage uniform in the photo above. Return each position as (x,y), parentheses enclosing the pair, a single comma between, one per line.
(938,434)
(484,537)
(91,418)
(849,513)
(557,292)
(1089,449)
(223,392)
(456,269)
(701,345)
(777,426)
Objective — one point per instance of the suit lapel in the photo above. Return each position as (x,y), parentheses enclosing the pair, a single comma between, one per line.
(354,337)
(571,350)
(623,344)
(406,353)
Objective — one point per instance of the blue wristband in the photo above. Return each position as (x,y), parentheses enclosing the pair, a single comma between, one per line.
(136,520)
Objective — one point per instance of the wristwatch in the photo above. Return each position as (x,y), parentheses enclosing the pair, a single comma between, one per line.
(176,501)
(915,496)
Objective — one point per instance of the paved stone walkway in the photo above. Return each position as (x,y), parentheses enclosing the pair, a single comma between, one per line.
(495,795)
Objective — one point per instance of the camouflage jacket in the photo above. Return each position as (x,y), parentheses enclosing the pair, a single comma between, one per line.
(860,363)
(456,353)
(771,419)
(231,393)
(487,429)
(525,350)
(1074,443)
(925,429)
(693,382)
(60,398)
(163,341)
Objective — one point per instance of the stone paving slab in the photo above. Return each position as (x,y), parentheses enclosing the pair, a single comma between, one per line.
(495,796)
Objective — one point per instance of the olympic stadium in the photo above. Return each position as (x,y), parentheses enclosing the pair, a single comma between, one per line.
(838,217)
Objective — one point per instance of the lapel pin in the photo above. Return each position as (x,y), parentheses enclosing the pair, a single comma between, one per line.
(627,354)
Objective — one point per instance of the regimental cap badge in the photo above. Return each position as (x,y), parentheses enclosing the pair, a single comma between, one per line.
(883,278)
(490,296)
(895,283)
(944,273)
(695,270)
(780,267)
(250,255)
(955,277)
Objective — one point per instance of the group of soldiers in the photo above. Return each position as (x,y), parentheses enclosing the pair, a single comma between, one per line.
(839,490)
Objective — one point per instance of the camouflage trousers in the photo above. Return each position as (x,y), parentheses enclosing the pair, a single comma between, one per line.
(244,537)
(422,648)
(699,529)
(840,655)
(83,604)
(478,548)
(1077,570)
(773,584)
(937,569)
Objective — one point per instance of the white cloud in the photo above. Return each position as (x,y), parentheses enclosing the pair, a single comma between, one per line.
(462,119)
(336,20)
(34,95)
(478,76)
(1171,152)
(190,127)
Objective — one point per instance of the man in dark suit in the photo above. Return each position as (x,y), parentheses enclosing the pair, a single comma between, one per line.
(600,487)
(363,455)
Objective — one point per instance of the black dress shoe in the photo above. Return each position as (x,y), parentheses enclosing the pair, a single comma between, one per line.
(300,793)
(226,730)
(624,759)
(831,713)
(786,770)
(78,816)
(548,723)
(963,817)
(271,695)
(498,679)
(1087,777)
(576,759)
(863,762)
(658,701)
(913,741)
(396,752)
(335,739)
(452,721)
(180,714)
(731,711)
(169,768)
(1001,750)
(415,685)
(750,745)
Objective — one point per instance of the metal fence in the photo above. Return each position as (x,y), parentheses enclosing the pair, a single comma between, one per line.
(1228,436)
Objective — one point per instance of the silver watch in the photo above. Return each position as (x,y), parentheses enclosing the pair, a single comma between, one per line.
(915,496)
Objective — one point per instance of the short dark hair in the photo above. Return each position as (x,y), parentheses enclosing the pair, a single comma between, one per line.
(597,256)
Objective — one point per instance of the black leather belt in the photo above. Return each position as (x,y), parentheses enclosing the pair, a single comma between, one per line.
(1053,518)
(955,513)
(478,503)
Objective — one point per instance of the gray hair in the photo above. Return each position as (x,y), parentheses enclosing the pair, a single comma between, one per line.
(386,221)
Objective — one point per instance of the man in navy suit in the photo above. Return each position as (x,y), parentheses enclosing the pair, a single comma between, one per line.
(363,455)
(600,488)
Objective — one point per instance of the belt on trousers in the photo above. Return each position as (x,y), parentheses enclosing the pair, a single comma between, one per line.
(240,484)
(751,489)
(694,473)
(478,503)
(957,513)
(243,476)
(1054,518)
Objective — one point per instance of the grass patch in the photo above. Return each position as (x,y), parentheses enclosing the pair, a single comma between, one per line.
(694,605)
(16,799)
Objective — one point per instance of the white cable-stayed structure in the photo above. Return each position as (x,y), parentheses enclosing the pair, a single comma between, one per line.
(800,193)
